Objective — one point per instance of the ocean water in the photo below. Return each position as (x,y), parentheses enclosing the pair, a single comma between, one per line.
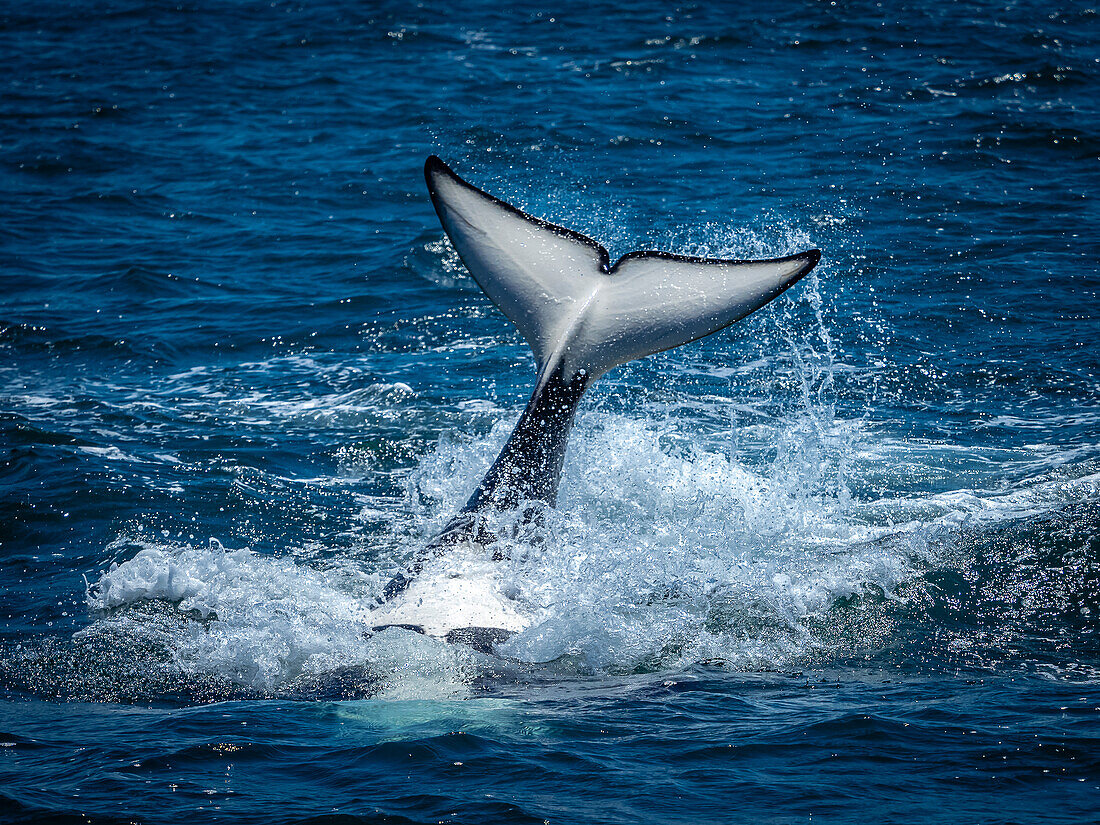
(836,563)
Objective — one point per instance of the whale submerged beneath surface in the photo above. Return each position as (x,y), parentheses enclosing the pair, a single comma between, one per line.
(582,316)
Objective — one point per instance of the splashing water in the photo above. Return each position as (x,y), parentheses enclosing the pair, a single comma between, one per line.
(735,540)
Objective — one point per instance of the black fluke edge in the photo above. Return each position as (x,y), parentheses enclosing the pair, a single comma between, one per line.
(435,165)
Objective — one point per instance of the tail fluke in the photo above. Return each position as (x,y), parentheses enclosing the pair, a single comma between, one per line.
(582,316)
(576,310)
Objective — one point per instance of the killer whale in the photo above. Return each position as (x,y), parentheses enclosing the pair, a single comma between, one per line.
(581,316)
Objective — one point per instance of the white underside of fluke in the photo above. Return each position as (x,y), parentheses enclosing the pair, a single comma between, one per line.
(575,309)
(463,589)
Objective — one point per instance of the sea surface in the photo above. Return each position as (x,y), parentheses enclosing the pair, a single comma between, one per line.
(838,563)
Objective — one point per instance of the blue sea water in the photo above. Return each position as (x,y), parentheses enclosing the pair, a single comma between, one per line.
(837,563)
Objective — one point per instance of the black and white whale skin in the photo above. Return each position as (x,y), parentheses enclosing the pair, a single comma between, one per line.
(582,316)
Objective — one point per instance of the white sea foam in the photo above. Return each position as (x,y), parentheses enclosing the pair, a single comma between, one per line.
(267,623)
(111,453)
(655,558)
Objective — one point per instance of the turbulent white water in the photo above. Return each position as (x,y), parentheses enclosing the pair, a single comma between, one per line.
(656,557)
(713,525)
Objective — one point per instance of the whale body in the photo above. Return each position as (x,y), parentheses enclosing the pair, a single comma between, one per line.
(581,316)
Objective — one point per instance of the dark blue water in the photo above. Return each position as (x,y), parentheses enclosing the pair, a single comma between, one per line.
(837,563)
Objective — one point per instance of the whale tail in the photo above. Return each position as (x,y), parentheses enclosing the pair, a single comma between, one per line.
(580,314)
